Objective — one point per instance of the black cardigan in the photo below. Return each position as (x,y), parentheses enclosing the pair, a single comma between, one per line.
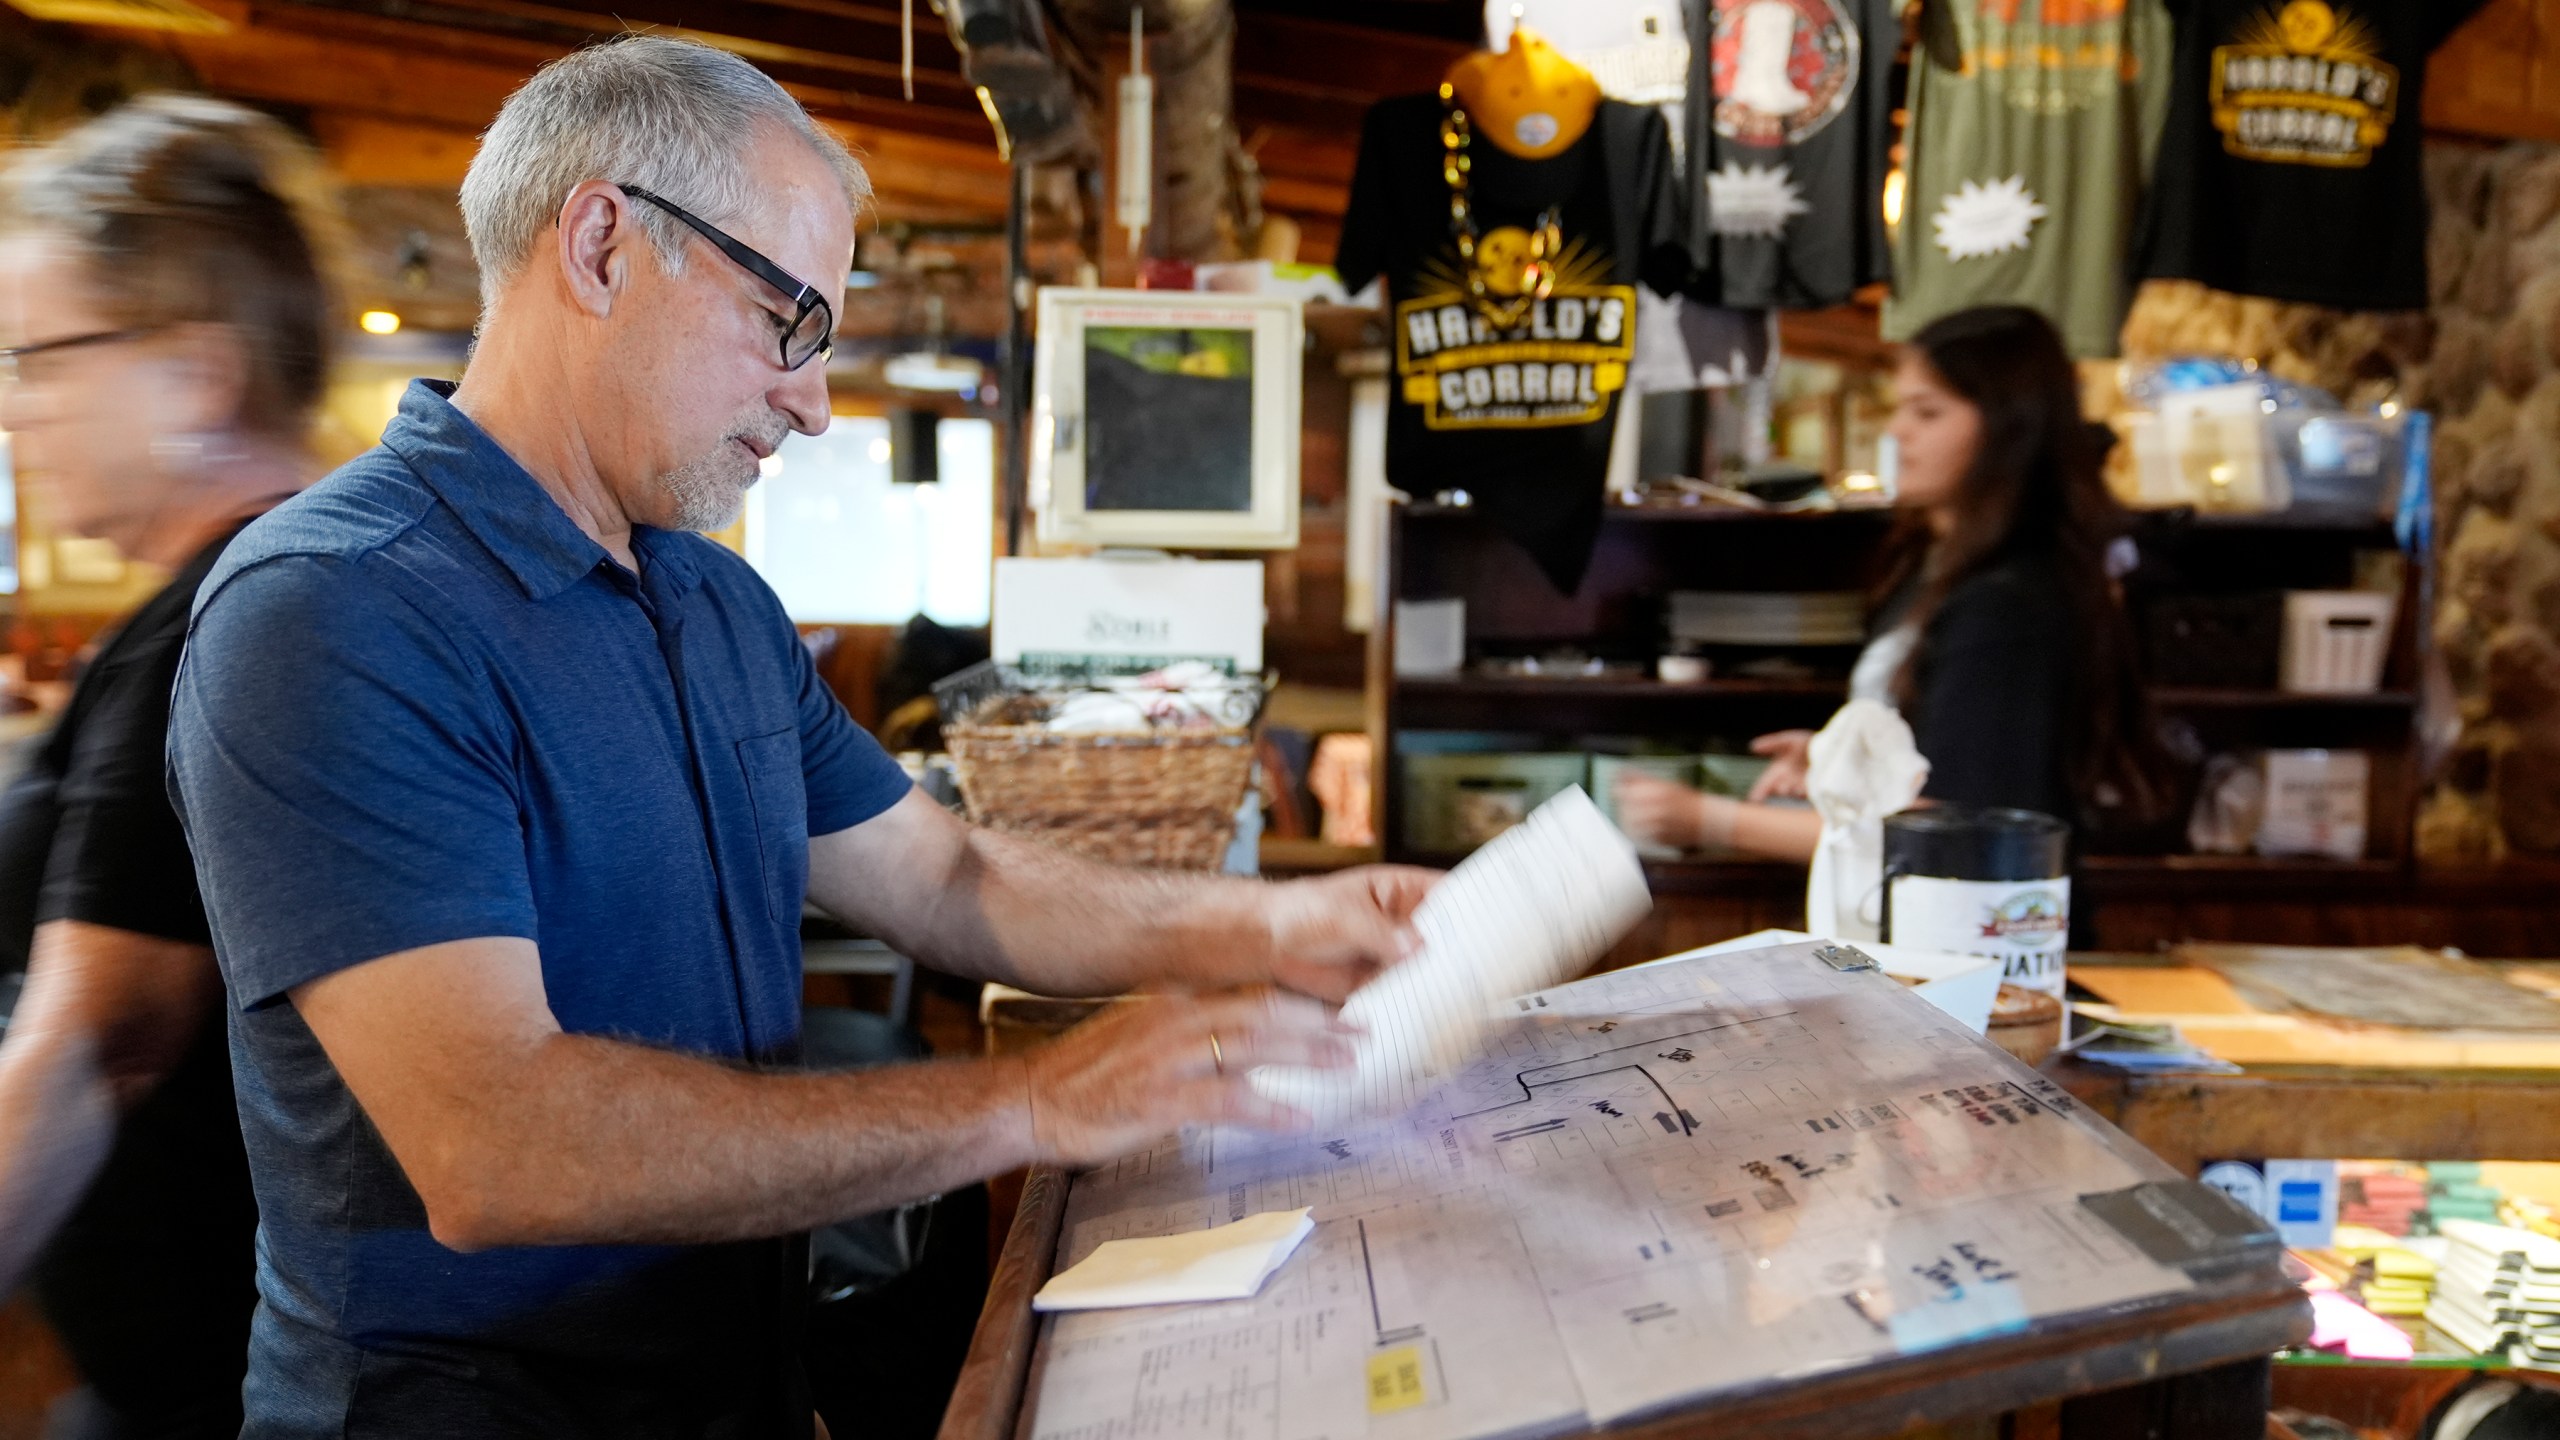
(1991,680)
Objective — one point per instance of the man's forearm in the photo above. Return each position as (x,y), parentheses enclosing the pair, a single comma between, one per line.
(1036,916)
(598,1141)
(105,1015)
(57,1124)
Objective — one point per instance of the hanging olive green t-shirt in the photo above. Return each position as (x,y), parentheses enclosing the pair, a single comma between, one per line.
(2033,124)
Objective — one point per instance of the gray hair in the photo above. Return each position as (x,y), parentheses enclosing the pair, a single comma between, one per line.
(668,115)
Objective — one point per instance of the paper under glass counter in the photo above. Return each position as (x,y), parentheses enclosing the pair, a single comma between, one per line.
(1735,1186)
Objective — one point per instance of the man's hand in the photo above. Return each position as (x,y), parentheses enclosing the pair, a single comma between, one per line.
(1333,934)
(1140,1071)
(1789,753)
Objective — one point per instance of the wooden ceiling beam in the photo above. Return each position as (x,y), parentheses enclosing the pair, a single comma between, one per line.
(918,179)
(1352,64)
(771,35)
(945,113)
(368,150)
(329,73)
(397,88)
(399,113)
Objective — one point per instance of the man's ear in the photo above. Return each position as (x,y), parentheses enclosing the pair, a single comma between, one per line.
(593,240)
(210,363)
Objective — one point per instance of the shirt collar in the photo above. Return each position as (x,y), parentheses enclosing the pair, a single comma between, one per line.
(496,499)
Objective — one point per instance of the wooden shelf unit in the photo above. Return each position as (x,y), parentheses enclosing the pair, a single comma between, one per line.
(1644,553)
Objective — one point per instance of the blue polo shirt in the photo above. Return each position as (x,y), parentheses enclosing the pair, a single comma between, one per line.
(419,705)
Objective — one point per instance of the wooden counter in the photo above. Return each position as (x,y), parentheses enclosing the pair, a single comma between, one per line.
(2342,1111)
(2327,1113)
(2198,1369)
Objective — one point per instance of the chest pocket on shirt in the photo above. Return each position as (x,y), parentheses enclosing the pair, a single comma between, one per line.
(775,789)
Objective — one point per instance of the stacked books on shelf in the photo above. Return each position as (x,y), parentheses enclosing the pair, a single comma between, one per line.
(2380,1196)
(2498,1288)
(2455,1192)
(2390,1278)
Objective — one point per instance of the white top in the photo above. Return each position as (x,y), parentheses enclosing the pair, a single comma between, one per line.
(1880,662)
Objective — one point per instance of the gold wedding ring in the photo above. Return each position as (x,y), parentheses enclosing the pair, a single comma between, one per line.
(1217,1053)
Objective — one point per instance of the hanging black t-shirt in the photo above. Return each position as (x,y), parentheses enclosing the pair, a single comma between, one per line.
(2290,164)
(1519,417)
(1792,154)
(152,1279)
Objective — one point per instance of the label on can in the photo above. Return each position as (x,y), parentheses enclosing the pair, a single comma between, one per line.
(2023,924)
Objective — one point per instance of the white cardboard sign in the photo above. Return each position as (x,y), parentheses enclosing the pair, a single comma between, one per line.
(1130,609)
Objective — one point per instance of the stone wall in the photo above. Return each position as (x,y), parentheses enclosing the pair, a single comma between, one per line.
(2486,361)
(2494,382)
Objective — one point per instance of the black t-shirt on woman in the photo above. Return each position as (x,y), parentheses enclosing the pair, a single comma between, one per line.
(152,1280)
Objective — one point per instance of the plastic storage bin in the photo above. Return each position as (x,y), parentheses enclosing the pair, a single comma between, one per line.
(1732,775)
(1454,803)
(2335,641)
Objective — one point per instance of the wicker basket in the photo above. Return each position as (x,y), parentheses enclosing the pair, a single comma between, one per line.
(1164,799)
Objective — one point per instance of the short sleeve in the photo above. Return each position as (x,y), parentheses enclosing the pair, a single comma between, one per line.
(118,857)
(848,776)
(1360,255)
(348,788)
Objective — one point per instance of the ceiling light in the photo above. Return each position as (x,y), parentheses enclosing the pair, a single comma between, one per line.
(379,322)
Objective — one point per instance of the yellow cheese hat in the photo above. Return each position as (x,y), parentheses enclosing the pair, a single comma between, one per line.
(1530,99)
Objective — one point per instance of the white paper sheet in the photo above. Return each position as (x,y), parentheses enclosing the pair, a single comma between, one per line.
(1529,910)
(1228,1262)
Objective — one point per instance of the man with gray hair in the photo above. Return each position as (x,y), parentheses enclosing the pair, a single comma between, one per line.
(506,792)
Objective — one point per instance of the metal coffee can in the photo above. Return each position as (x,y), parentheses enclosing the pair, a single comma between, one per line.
(1977,881)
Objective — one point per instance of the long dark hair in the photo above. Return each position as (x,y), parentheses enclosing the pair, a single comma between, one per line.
(2034,488)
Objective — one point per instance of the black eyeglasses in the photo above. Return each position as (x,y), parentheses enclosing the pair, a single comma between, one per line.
(812,331)
(10,356)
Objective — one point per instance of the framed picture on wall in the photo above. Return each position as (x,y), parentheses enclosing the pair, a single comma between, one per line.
(1166,418)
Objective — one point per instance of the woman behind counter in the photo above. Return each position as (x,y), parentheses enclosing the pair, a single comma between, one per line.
(168,327)
(2000,636)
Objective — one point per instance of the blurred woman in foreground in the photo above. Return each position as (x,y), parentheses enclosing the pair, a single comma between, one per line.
(2000,636)
(166,326)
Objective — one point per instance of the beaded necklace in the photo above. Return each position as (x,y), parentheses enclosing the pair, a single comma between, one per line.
(1536,272)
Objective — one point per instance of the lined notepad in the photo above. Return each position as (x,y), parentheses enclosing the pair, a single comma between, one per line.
(1227,1262)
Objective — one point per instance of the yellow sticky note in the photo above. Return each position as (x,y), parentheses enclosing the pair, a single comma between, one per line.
(1395,1380)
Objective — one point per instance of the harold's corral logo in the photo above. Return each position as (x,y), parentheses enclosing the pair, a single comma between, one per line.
(2305,85)
(1509,357)
(2030,919)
